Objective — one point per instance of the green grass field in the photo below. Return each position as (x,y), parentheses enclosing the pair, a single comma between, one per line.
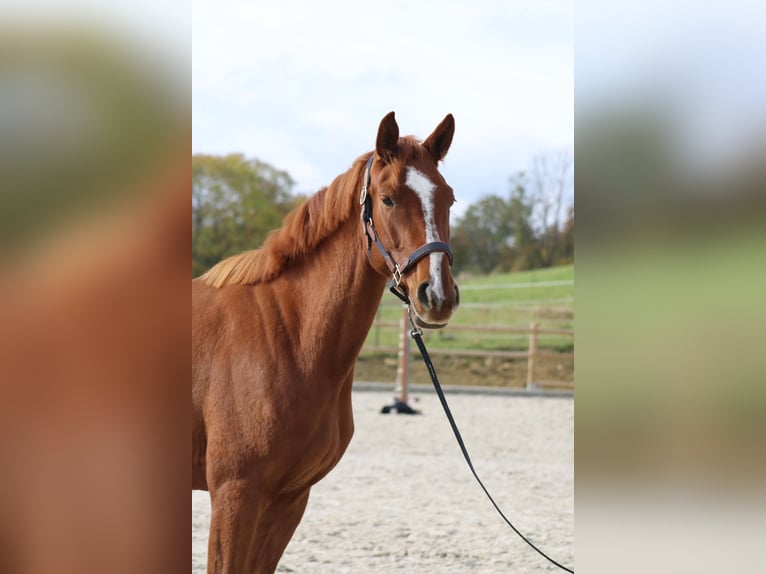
(544,296)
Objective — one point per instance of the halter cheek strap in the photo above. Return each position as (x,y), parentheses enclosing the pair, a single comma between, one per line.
(398,270)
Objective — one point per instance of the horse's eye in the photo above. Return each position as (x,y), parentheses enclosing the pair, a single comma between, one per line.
(387,201)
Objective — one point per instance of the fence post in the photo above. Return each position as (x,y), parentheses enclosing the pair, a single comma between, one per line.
(403,367)
(531,356)
(402,371)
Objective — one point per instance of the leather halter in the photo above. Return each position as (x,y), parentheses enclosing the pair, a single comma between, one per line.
(398,270)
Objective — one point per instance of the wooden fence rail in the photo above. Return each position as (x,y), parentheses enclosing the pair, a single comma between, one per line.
(532,355)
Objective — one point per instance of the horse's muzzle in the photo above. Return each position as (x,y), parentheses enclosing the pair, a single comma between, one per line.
(433,309)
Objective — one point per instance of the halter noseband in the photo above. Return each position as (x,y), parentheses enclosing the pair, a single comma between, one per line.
(368,228)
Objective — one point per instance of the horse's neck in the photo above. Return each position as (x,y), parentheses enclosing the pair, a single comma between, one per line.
(339,294)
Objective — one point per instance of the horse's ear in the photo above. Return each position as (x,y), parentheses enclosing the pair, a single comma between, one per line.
(388,137)
(439,141)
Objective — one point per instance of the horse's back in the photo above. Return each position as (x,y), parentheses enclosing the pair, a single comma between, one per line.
(205,317)
(228,328)
(256,402)
(206,320)
(213,392)
(230,394)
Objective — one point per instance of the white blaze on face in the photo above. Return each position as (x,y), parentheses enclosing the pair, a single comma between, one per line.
(424,188)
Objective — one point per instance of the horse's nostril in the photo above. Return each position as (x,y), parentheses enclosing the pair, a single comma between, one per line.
(423,294)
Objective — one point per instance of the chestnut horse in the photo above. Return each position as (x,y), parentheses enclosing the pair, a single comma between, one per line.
(276,333)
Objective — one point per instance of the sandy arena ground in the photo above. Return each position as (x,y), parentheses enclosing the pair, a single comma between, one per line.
(402,498)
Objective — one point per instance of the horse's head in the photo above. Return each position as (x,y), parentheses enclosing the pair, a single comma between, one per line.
(409,202)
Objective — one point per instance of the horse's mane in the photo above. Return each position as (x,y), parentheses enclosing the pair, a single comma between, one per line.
(306,226)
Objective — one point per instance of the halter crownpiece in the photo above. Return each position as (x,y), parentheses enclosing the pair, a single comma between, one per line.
(364,197)
(368,228)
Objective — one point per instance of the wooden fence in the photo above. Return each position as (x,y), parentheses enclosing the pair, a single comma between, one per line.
(533,354)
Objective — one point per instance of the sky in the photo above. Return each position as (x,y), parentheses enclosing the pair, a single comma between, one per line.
(303,85)
(698,64)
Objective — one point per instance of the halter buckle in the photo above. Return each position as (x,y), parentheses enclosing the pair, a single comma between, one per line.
(397,275)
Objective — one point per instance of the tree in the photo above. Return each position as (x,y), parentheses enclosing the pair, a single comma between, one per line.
(550,182)
(525,252)
(524,230)
(520,208)
(481,237)
(235,203)
(567,239)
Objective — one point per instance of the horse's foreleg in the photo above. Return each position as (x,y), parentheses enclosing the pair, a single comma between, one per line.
(276,527)
(236,507)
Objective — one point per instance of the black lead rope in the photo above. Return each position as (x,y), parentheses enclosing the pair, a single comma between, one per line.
(417,334)
(368,228)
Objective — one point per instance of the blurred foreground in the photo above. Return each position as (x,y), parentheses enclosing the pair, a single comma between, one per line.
(670,431)
(94,239)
